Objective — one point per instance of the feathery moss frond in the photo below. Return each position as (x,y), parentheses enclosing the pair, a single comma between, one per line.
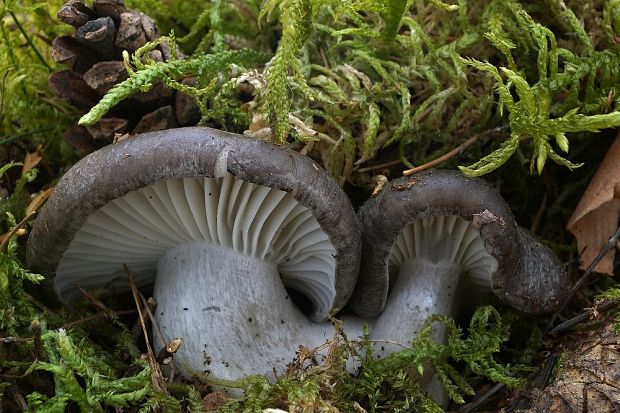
(297,17)
(531,115)
(69,360)
(144,78)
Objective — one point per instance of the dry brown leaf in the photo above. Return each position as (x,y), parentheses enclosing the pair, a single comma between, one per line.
(215,400)
(31,160)
(38,200)
(596,217)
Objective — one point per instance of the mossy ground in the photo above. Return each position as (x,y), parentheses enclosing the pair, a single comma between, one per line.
(366,87)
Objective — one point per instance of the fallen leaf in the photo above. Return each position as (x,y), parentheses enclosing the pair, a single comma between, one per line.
(31,160)
(38,200)
(215,400)
(595,218)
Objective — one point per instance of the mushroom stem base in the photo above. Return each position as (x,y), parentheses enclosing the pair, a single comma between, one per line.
(231,310)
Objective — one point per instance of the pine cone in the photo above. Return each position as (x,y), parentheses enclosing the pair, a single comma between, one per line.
(93,55)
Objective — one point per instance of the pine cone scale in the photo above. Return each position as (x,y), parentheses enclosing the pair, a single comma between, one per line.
(98,35)
(75,13)
(69,51)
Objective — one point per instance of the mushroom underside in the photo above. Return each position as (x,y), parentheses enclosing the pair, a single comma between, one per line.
(437,264)
(446,240)
(253,220)
(204,239)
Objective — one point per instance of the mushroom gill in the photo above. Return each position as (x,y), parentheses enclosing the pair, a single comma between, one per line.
(444,238)
(251,219)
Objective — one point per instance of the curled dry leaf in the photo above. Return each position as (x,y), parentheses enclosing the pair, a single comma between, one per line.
(596,217)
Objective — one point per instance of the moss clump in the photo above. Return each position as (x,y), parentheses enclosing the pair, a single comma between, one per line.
(366,78)
(391,384)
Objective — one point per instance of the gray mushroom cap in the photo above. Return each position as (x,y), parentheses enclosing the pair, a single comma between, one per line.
(130,165)
(528,276)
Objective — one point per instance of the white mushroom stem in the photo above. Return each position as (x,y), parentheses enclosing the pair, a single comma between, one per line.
(232,311)
(423,288)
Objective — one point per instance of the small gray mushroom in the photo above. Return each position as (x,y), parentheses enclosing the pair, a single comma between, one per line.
(437,241)
(221,224)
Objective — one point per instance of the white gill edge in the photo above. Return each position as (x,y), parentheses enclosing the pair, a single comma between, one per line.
(446,237)
(253,220)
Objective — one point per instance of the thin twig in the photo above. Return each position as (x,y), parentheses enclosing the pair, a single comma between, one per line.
(10,339)
(442,158)
(456,151)
(149,311)
(539,214)
(547,370)
(543,376)
(380,166)
(35,325)
(24,135)
(41,306)
(482,399)
(136,329)
(611,243)
(157,377)
(95,302)
(434,162)
(18,397)
(586,314)
(96,316)
(2,90)
(307,148)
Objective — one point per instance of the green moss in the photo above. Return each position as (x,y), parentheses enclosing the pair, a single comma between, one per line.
(390,384)
(415,75)
(29,112)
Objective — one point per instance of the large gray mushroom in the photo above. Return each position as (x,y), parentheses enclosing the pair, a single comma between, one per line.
(221,224)
(438,240)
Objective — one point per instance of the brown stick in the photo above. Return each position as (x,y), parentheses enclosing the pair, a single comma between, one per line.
(380,166)
(136,329)
(41,306)
(442,158)
(539,214)
(94,317)
(586,314)
(455,151)
(95,302)
(10,339)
